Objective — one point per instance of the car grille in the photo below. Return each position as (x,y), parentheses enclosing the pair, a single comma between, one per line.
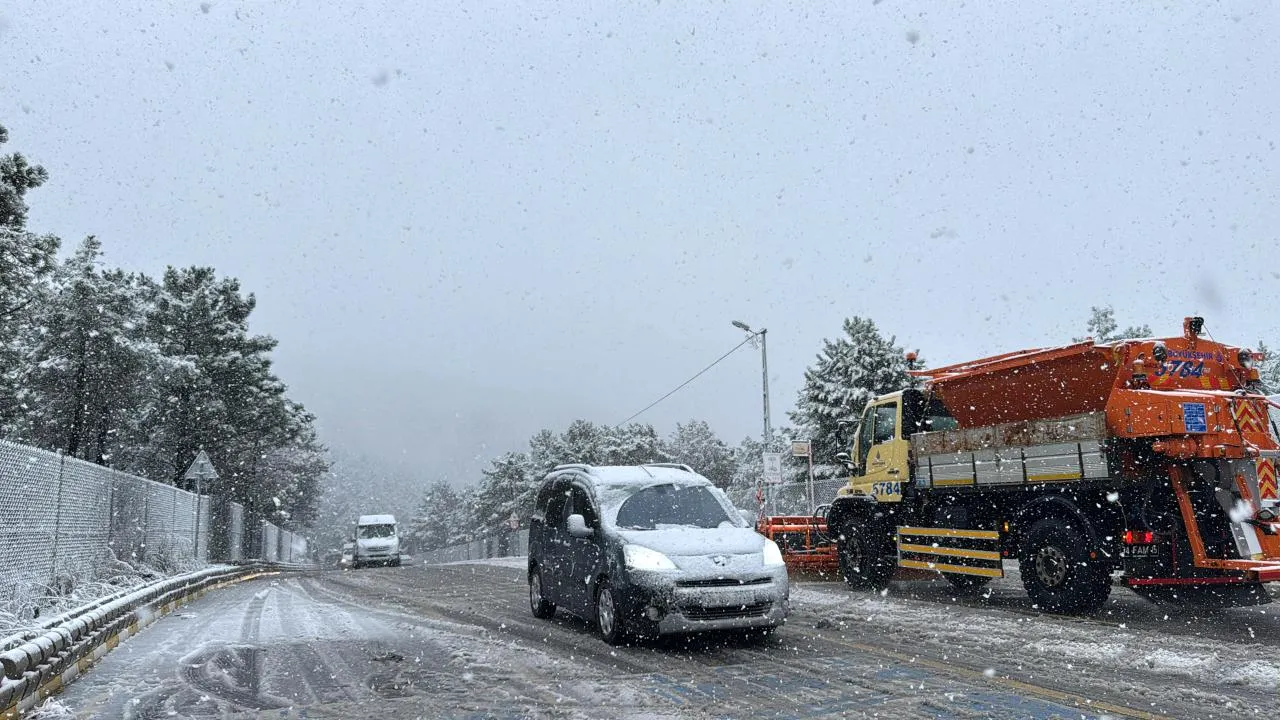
(728,612)
(722,582)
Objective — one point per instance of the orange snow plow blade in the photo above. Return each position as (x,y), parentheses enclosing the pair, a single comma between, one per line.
(804,542)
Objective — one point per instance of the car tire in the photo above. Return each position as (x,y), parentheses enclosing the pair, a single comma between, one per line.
(1056,569)
(609,618)
(538,603)
(395,563)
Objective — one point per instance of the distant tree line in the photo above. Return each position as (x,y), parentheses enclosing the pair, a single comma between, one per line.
(137,373)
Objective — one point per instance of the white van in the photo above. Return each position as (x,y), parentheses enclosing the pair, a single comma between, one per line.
(376,541)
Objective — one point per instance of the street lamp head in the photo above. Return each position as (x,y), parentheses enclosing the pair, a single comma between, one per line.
(741,325)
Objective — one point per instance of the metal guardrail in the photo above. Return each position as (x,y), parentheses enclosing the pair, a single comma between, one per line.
(38,663)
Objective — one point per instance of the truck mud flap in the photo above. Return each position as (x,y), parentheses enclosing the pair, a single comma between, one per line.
(950,550)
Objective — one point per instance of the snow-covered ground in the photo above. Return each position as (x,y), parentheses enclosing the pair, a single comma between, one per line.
(460,637)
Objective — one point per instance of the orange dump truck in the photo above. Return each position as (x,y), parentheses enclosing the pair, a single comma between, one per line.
(1148,461)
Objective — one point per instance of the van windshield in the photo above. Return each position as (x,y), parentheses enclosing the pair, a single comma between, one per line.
(668,505)
(376,531)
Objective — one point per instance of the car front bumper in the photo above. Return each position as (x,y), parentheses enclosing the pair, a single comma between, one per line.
(661,603)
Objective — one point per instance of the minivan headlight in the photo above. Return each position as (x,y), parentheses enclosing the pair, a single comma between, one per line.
(643,558)
(772,555)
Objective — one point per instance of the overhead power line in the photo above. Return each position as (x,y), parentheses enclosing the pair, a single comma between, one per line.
(677,389)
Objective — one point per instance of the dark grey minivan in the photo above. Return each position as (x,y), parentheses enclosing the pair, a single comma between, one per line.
(651,549)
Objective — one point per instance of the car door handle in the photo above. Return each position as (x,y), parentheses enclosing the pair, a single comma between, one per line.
(895,471)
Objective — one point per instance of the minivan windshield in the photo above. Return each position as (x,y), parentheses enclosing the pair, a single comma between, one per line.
(376,531)
(658,506)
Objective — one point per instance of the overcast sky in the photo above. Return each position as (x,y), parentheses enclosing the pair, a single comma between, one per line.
(465,224)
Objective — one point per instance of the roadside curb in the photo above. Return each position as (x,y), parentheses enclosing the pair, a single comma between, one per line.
(42,665)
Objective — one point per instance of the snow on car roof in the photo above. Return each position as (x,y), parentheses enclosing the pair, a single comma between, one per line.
(376,520)
(632,474)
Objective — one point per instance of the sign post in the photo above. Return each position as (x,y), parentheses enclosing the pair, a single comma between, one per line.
(772,477)
(200,470)
(804,449)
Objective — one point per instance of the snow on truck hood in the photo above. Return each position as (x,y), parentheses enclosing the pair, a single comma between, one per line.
(688,541)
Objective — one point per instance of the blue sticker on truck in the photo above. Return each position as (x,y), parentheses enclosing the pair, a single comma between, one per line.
(1193,417)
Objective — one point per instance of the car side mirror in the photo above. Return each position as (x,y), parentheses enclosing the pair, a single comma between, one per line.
(748,517)
(844,459)
(578,526)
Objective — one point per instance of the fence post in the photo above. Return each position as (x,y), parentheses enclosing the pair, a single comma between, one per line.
(198,499)
(57,517)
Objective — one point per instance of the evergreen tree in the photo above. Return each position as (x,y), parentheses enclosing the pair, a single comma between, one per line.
(26,262)
(1102,327)
(509,485)
(82,378)
(440,520)
(17,176)
(1269,369)
(695,444)
(849,371)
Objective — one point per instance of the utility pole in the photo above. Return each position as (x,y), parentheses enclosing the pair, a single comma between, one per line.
(762,333)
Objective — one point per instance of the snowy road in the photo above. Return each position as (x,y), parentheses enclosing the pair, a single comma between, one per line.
(458,641)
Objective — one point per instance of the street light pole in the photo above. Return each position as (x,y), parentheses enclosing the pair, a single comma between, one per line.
(764,376)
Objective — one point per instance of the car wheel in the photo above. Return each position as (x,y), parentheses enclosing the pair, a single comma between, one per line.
(1057,571)
(608,616)
(538,603)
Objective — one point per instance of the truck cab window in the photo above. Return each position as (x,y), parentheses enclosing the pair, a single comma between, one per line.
(886,423)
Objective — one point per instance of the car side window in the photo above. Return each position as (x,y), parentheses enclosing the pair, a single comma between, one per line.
(581,503)
(557,503)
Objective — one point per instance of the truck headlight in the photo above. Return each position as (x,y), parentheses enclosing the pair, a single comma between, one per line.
(772,554)
(643,558)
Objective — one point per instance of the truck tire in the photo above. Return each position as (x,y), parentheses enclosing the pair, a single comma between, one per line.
(1057,571)
(863,550)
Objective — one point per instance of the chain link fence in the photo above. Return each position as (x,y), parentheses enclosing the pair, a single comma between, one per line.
(788,498)
(64,521)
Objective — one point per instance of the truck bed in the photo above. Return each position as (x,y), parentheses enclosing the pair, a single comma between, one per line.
(1025,452)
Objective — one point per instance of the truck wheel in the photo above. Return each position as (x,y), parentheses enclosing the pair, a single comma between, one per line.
(862,551)
(1057,571)
(967,584)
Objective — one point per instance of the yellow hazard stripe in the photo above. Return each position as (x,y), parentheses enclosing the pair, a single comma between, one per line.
(1053,477)
(950,532)
(957,569)
(952,481)
(950,552)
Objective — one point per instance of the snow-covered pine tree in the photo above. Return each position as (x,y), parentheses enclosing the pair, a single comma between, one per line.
(695,444)
(440,519)
(1102,326)
(1269,369)
(850,370)
(86,366)
(508,486)
(631,444)
(26,262)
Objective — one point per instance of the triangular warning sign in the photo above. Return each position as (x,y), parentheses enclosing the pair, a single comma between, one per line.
(201,468)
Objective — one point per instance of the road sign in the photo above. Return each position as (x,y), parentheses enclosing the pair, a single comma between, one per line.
(772,468)
(800,449)
(201,468)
